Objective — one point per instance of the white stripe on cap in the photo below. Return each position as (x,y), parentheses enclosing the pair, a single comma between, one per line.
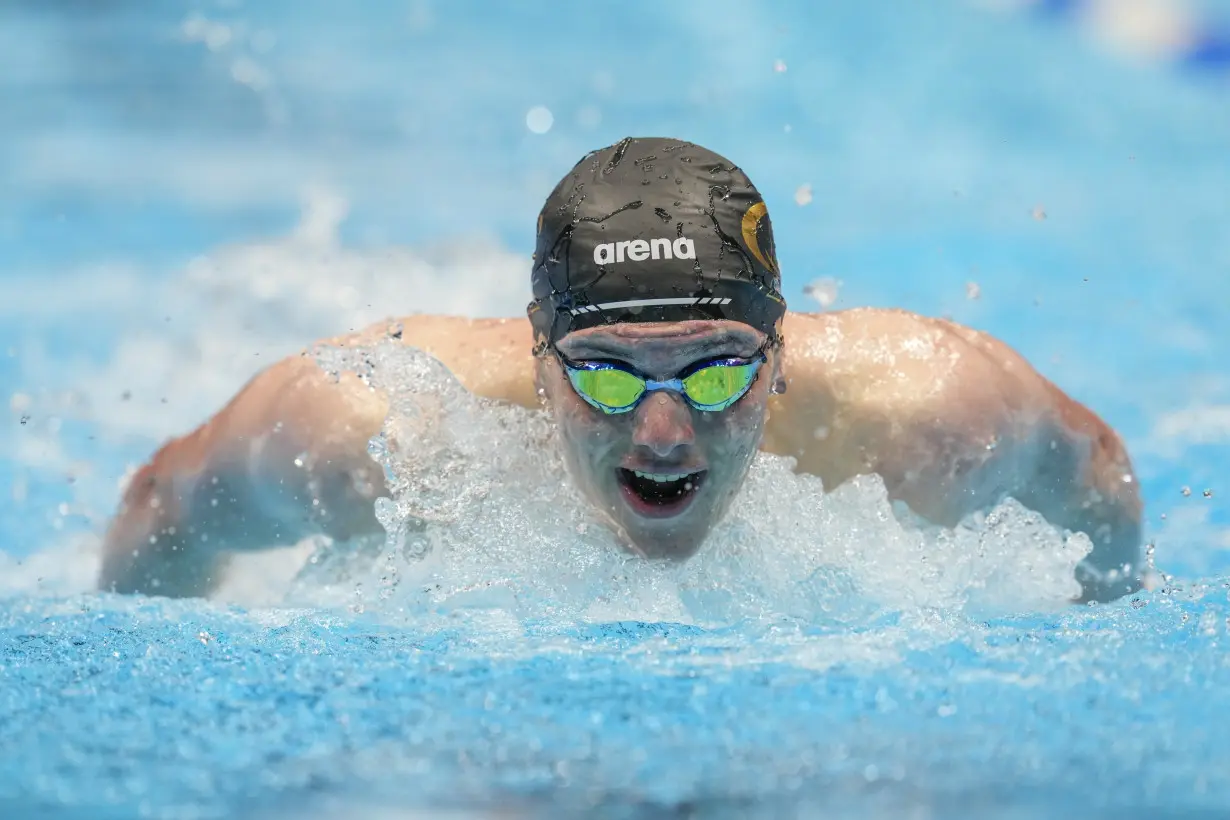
(689,300)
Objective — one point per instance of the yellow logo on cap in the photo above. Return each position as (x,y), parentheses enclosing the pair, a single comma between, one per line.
(751,225)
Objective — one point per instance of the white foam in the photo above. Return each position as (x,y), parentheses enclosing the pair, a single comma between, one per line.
(483,517)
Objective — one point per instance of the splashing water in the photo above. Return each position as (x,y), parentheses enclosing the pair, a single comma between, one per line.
(482,514)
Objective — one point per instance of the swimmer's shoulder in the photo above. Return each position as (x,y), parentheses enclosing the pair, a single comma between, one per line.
(882,358)
(887,376)
(490,357)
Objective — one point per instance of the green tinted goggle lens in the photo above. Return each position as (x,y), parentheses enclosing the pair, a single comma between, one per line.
(614,390)
(719,384)
(607,386)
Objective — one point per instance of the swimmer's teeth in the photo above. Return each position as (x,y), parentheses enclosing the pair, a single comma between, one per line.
(663,478)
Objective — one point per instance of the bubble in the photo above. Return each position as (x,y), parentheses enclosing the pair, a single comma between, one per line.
(539,119)
(802,196)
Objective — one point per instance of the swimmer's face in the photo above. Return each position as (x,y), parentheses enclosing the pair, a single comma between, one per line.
(663,473)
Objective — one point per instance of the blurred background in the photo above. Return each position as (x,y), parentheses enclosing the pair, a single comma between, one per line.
(190,190)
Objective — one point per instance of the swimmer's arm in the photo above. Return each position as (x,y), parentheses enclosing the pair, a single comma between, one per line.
(287,459)
(284,460)
(956,432)
(1005,431)
(1084,482)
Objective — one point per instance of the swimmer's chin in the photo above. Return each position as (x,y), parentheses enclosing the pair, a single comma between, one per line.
(663,547)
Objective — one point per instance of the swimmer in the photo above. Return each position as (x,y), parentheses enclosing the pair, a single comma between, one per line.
(660,343)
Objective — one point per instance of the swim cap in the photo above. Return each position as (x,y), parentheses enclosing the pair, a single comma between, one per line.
(653,230)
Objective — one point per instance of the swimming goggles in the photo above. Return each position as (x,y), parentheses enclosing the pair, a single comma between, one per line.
(711,385)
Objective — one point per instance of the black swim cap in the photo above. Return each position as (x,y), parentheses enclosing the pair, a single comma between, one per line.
(653,230)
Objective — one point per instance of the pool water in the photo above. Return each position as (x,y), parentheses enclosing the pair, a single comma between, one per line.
(190,193)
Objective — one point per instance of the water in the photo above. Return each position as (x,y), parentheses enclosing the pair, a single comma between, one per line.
(229,183)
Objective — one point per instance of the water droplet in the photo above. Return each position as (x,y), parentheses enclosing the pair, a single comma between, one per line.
(1208,493)
(1186,491)
(972,290)
(539,119)
(802,195)
(824,290)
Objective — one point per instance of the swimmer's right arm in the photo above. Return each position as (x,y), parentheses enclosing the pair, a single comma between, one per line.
(287,458)
(284,460)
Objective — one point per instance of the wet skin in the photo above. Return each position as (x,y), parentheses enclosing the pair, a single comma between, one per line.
(663,435)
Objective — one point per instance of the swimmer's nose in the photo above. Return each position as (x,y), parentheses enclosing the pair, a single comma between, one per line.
(663,423)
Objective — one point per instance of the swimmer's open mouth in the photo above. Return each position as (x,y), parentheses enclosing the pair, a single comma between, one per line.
(659,495)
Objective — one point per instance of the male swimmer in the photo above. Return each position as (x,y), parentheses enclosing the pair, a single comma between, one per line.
(661,344)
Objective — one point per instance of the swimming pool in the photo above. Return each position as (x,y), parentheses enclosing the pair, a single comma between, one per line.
(191,195)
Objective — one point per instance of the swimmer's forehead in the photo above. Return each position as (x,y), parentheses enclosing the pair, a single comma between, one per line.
(633,340)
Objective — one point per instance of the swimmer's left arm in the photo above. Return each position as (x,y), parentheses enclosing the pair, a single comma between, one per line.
(1084,482)
(956,429)
(1073,467)
(1056,458)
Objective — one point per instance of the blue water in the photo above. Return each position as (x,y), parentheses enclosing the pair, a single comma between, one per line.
(190,191)
(129,709)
